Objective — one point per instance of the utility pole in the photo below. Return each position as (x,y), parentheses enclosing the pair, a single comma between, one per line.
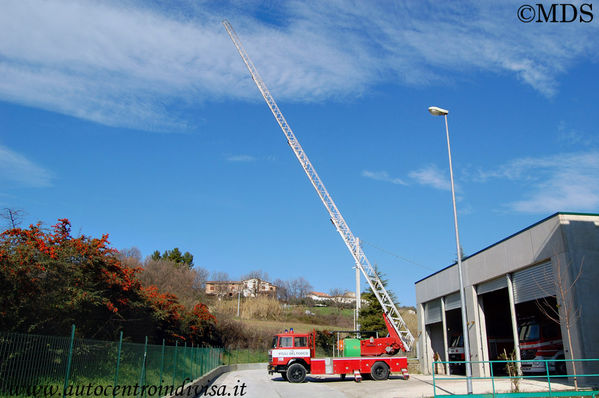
(358,298)
(238,299)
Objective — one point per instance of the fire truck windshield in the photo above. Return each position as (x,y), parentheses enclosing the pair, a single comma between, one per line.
(529,332)
(457,341)
(274,342)
(301,341)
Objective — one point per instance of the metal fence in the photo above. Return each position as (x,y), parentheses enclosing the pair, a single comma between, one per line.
(548,383)
(244,355)
(32,365)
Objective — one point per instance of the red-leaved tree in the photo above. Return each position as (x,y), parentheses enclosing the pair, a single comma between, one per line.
(50,280)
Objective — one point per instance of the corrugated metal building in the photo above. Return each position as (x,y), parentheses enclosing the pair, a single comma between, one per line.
(511,284)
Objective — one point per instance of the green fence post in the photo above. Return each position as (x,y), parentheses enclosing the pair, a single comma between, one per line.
(118,363)
(548,378)
(493,378)
(434,386)
(142,374)
(185,361)
(66,377)
(175,363)
(161,363)
(193,357)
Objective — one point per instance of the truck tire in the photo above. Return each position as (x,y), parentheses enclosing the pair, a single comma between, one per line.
(379,371)
(560,367)
(296,373)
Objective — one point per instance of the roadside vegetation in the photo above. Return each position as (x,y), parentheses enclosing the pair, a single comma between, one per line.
(51,279)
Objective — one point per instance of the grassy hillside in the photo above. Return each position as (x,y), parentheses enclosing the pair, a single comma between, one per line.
(261,318)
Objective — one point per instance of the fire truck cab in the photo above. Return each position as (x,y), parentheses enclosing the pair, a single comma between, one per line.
(291,354)
(540,341)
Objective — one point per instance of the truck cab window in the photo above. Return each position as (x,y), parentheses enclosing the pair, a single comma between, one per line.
(301,342)
(285,342)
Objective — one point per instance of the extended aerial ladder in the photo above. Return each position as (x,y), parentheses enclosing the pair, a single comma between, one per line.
(390,310)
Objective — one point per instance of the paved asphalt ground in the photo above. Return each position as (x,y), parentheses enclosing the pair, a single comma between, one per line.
(259,384)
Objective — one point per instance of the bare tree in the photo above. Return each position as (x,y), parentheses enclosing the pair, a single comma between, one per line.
(337,297)
(13,217)
(220,276)
(201,276)
(130,257)
(565,307)
(170,278)
(299,288)
(257,274)
(282,289)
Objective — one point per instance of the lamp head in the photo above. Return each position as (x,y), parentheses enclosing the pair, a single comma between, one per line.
(436,111)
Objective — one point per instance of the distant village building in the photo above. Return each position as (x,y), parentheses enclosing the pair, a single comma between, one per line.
(253,287)
(318,296)
(346,298)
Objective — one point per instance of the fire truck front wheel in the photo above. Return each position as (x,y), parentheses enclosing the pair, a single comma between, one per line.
(379,371)
(296,373)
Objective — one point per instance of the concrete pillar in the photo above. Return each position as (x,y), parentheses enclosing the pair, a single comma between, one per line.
(423,342)
(510,294)
(482,336)
(474,330)
(445,344)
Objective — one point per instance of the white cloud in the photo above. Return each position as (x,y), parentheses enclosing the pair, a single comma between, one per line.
(563,182)
(240,158)
(432,177)
(382,176)
(144,64)
(17,168)
(574,137)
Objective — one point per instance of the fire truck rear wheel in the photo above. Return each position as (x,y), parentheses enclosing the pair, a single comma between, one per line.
(380,371)
(296,373)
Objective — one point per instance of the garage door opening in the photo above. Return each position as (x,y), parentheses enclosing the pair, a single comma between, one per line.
(498,322)
(455,341)
(540,337)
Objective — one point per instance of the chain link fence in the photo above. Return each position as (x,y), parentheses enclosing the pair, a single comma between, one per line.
(32,365)
(245,355)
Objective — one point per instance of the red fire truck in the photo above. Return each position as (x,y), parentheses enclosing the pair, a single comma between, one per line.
(293,356)
(541,341)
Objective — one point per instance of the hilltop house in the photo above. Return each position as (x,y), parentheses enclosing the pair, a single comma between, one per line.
(252,287)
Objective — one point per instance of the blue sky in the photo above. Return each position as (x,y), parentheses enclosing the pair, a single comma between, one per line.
(138,119)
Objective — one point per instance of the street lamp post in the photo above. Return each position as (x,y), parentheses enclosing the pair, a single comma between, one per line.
(435,111)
